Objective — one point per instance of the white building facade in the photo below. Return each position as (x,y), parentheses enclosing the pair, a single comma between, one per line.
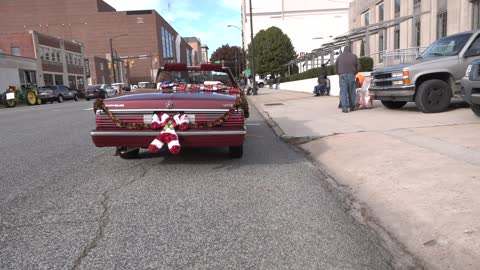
(308,23)
(408,26)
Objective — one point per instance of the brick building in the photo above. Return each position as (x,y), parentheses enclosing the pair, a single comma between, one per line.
(196,49)
(133,33)
(51,61)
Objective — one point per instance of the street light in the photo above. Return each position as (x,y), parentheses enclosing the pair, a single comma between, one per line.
(253,51)
(243,50)
(111,55)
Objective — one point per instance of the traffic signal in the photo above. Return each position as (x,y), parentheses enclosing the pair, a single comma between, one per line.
(109,65)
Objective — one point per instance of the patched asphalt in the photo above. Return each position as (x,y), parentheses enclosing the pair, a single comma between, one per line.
(66,204)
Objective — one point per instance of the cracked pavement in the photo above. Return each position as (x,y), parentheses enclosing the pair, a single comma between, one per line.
(65,204)
(412,177)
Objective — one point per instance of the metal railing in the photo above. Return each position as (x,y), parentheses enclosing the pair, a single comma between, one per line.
(384,59)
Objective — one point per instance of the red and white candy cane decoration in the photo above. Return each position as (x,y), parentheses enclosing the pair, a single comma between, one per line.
(168,135)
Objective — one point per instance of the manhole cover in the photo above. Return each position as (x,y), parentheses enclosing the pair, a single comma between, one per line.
(273,104)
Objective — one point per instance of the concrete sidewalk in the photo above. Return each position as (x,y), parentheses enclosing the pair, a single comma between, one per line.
(414,177)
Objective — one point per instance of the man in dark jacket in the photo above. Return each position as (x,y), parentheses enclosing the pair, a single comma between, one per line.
(347,65)
(321,87)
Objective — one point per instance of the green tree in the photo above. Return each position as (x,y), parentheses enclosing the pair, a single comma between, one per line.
(273,50)
(232,57)
(362,48)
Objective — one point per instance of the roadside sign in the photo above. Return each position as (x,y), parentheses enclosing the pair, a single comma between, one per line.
(87,68)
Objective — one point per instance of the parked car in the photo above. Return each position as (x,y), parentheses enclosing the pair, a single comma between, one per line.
(471,86)
(120,87)
(216,113)
(50,93)
(99,91)
(262,82)
(433,79)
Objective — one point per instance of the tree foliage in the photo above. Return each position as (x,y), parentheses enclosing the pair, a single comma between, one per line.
(273,50)
(362,48)
(233,58)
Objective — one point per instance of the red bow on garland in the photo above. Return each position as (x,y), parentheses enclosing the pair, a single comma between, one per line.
(168,136)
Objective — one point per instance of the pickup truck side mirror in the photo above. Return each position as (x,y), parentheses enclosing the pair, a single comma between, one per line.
(471,52)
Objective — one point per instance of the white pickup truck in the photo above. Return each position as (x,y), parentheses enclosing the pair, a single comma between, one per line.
(433,79)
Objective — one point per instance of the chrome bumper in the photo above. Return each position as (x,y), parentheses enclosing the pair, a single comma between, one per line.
(406,92)
(153,133)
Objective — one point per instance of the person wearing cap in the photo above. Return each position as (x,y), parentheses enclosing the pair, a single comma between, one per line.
(347,66)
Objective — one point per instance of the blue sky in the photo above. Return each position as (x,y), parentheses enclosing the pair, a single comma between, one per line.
(205,19)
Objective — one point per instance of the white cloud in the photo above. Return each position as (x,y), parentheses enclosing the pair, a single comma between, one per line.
(121,5)
(232,4)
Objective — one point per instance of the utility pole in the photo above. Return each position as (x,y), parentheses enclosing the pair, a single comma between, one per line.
(253,51)
(113,57)
(236,62)
(113,62)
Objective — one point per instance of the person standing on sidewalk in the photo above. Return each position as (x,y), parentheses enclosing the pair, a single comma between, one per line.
(347,66)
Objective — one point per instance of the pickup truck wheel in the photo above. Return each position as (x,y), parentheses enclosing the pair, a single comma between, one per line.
(60,99)
(261,85)
(128,155)
(235,151)
(433,96)
(475,109)
(393,104)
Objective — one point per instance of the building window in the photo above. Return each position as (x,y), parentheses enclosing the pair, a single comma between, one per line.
(366,18)
(48,79)
(54,56)
(167,44)
(16,51)
(101,66)
(380,12)
(396,38)
(80,83)
(417,2)
(476,15)
(1,50)
(50,54)
(417,30)
(72,82)
(28,78)
(58,79)
(397,8)
(442,18)
(188,52)
(380,47)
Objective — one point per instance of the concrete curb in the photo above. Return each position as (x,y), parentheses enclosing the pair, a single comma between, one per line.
(279,131)
(402,258)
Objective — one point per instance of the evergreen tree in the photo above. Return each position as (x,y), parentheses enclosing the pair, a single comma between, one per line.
(273,51)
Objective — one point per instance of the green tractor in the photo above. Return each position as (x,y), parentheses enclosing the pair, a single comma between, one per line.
(12,96)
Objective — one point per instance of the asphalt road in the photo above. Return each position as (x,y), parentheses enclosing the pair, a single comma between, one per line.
(65,204)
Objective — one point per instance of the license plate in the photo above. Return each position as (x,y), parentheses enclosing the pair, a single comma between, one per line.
(147,118)
(10,96)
